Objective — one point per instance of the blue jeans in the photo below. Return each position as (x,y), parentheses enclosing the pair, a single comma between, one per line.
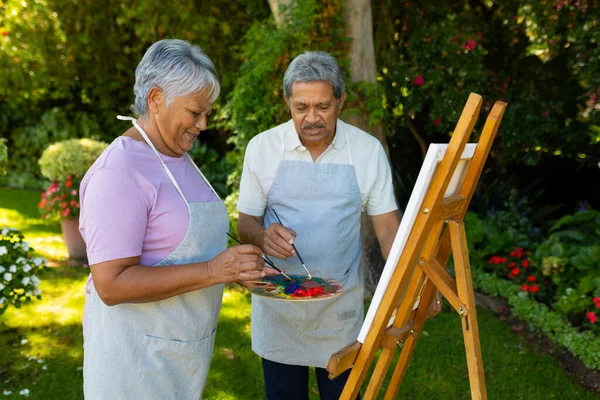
(290,382)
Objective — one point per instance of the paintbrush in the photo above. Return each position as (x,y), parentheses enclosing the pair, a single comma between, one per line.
(294,247)
(264,257)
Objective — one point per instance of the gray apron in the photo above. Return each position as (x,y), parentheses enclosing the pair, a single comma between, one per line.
(159,350)
(322,203)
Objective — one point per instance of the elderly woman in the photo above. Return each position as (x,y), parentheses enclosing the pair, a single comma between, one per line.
(156,239)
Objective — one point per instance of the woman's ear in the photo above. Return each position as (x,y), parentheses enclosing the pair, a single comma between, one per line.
(155,100)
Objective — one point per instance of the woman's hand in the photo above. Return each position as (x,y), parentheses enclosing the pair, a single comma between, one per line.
(238,263)
(278,241)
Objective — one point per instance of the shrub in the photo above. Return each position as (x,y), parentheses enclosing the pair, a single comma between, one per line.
(570,258)
(18,270)
(70,157)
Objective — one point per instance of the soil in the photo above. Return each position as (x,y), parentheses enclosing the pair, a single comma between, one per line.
(574,368)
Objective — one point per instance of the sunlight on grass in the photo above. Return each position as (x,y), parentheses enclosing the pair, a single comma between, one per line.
(62,303)
(44,236)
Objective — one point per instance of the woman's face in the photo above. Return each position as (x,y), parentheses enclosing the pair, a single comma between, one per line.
(180,123)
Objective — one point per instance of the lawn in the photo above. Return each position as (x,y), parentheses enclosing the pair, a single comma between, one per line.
(42,343)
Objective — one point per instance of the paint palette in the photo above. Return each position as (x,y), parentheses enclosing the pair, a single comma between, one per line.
(300,288)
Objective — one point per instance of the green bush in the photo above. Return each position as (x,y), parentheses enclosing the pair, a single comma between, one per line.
(70,157)
(570,257)
(584,345)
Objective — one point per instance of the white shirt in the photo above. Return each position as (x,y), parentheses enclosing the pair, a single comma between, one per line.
(267,149)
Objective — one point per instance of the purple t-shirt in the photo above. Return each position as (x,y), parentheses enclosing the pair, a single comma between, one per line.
(130,207)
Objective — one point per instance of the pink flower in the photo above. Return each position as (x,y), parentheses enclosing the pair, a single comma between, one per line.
(418,81)
(471,44)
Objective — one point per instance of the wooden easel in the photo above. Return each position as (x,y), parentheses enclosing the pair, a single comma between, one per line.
(438,230)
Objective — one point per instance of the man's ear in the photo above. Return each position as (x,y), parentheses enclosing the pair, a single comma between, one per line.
(286,100)
(155,100)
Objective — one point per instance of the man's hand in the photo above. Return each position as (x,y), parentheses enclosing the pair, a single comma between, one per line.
(278,241)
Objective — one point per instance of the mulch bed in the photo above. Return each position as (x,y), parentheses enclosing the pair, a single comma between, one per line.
(574,368)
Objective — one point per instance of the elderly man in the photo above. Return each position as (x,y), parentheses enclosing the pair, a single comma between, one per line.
(318,174)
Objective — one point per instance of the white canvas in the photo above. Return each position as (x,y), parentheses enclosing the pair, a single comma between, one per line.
(434,156)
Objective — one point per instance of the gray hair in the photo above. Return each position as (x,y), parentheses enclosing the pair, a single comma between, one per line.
(178,68)
(314,66)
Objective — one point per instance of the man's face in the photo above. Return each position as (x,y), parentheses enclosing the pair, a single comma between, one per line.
(315,112)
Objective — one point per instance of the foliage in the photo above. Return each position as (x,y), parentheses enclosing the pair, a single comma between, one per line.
(79,57)
(73,156)
(18,268)
(61,199)
(214,168)
(256,102)
(28,142)
(583,345)
(570,258)
(540,57)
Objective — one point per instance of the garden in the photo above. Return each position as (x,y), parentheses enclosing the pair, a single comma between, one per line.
(533,227)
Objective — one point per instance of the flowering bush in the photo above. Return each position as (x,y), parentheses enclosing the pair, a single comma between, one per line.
(64,163)
(18,270)
(518,268)
(61,199)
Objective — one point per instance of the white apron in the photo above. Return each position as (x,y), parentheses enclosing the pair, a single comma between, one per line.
(159,350)
(322,203)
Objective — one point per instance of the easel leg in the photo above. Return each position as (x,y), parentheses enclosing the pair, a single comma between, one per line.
(411,295)
(469,321)
(411,341)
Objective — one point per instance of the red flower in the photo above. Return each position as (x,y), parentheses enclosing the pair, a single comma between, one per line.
(515,271)
(510,276)
(72,203)
(526,263)
(596,300)
(495,260)
(65,212)
(517,253)
(68,184)
(4,32)
(63,204)
(418,81)
(438,121)
(531,278)
(592,317)
(512,264)
(524,287)
(534,288)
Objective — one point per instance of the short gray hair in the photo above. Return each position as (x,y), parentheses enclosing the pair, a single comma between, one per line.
(314,66)
(178,68)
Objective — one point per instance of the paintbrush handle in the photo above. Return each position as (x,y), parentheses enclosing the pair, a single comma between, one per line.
(264,257)
(293,245)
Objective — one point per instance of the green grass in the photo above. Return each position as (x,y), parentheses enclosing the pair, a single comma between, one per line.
(50,330)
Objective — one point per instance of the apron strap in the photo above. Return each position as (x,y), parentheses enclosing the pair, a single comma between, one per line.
(171,177)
